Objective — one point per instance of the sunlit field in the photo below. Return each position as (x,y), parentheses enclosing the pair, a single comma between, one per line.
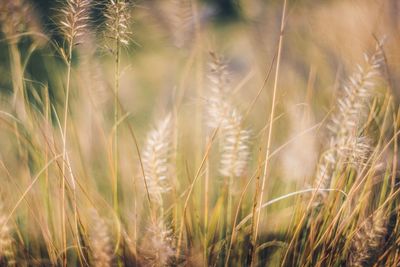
(199,133)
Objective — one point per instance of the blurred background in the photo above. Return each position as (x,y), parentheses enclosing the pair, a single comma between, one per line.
(323,39)
(167,60)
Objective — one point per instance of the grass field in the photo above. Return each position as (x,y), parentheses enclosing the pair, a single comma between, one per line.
(199,133)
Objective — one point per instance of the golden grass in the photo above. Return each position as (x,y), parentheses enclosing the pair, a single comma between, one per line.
(150,150)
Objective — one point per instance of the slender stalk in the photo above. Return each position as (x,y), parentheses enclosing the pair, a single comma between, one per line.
(135,226)
(271,119)
(206,193)
(228,205)
(117,18)
(116,116)
(64,154)
(116,123)
(254,211)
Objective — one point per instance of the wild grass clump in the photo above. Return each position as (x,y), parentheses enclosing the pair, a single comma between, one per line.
(348,143)
(187,161)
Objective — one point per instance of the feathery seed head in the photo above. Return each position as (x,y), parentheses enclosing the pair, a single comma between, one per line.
(181,20)
(357,93)
(100,241)
(356,151)
(159,249)
(235,140)
(74,19)
(352,109)
(235,146)
(326,168)
(218,108)
(117,21)
(353,151)
(367,243)
(6,241)
(16,17)
(156,157)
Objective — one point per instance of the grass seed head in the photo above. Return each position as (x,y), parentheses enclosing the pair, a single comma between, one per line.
(7,254)
(156,158)
(100,241)
(118,21)
(74,19)
(16,17)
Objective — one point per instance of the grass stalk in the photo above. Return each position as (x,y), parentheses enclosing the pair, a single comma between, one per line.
(206,201)
(64,152)
(116,118)
(269,138)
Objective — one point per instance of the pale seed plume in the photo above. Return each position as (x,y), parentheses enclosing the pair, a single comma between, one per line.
(156,158)
(159,245)
(235,146)
(235,149)
(346,145)
(100,241)
(117,21)
(181,22)
(368,240)
(7,254)
(74,19)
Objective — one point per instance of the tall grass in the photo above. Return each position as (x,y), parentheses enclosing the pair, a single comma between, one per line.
(117,30)
(187,161)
